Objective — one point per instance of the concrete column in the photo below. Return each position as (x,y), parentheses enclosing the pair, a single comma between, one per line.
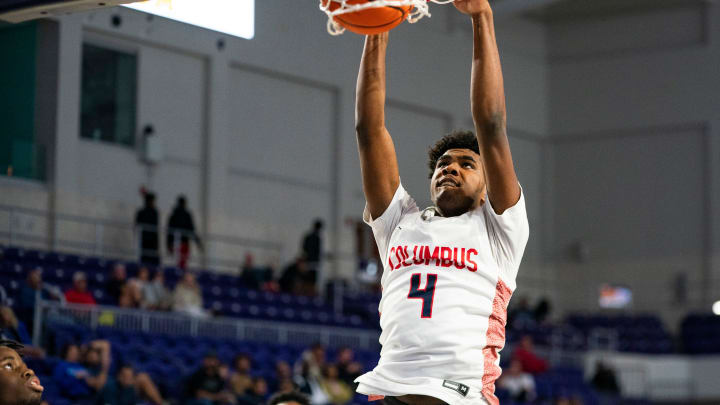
(216,154)
(712,283)
(64,168)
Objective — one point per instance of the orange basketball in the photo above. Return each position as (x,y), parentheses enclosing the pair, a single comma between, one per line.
(371,20)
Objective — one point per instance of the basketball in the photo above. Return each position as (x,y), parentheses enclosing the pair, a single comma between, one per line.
(369,21)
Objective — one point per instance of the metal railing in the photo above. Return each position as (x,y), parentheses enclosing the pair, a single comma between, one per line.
(111,238)
(51,313)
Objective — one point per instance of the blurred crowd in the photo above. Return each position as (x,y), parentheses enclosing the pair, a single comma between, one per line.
(86,375)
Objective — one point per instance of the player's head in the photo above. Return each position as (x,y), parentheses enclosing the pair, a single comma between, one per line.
(18,383)
(125,375)
(211,363)
(149,200)
(79,281)
(242,363)
(457,177)
(71,353)
(34,278)
(289,398)
(7,317)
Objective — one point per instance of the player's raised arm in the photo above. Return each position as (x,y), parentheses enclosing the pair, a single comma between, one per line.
(487,99)
(378,162)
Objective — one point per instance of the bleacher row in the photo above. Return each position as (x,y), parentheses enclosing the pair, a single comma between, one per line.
(225,295)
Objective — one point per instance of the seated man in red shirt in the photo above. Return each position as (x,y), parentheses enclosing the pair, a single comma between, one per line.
(79,293)
(525,354)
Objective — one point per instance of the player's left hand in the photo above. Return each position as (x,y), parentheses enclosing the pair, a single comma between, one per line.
(472,6)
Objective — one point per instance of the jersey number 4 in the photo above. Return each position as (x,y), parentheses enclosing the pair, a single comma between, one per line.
(426,294)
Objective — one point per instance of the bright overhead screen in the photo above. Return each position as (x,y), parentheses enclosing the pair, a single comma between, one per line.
(233,17)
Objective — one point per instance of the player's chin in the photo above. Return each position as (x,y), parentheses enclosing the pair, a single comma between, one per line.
(32,398)
(453,201)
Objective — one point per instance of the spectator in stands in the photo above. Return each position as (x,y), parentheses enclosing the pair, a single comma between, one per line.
(256,394)
(147,222)
(337,391)
(530,361)
(312,247)
(521,315)
(181,224)
(283,378)
(129,387)
(605,382)
(348,368)
(240,379)
(518,383)
(315,359)
(155,295)
(135,286)
(116,286)
(79,293)
(75,380)
(206,386)
(18,383)
(542,310)
(567,400)
(285,386)
(297,278)
(121,390)
(32,289)
(562,400)
(290,398)
(308,374)
(13,329)
(3,296)
(255,277)
(187,296)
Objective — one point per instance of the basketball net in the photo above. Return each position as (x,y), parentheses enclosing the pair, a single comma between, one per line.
(419,10)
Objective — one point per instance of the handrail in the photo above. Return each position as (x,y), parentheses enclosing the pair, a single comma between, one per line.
(137,320)
(97,245)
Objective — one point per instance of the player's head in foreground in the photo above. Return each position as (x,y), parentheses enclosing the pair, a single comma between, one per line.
(18,384)
(289,398)
(457,177)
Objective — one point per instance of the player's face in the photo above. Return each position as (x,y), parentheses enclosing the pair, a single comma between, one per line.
(458,183)
(18,384)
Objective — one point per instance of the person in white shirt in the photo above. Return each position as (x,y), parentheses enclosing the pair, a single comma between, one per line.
(449,270)
(519,384)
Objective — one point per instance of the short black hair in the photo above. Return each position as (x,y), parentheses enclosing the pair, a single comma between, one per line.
(294,396)
(457,139)
(11,344)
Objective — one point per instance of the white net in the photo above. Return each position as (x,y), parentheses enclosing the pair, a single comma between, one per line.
(420,9)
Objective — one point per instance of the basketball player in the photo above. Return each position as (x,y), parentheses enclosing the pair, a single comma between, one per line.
(449,270)
(18,384)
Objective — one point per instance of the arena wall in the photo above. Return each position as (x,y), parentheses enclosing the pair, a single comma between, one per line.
(635,133)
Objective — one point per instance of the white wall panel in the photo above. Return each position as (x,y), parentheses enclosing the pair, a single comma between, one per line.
(633,196)
(414,131)
(172,98)
(607,35)
(280,127)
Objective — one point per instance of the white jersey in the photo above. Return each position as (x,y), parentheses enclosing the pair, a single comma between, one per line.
(446,285)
